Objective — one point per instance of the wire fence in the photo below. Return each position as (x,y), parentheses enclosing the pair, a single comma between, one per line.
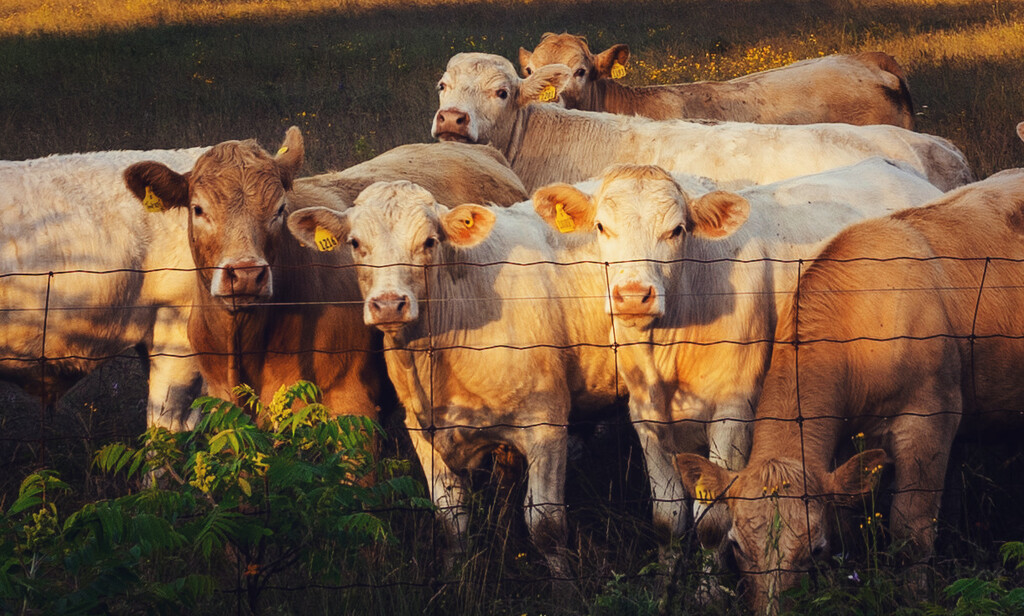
(437,347)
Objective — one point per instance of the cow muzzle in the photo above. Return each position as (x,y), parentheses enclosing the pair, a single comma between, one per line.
(389,312)
(452,125)
(634,300)
(242,282)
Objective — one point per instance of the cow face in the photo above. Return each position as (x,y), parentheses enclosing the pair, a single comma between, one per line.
(780,524)
(395,231)
(480,96)
(236,195)
(586,68)
(643,219)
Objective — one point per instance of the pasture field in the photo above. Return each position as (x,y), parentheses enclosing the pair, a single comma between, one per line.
(358,77)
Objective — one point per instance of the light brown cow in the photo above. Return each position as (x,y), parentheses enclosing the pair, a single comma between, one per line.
(268,311)
(482,100)
(454,172)
(863,88)
(906,329)
(239,198)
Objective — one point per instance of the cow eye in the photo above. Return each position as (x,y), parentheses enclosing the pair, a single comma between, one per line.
(600,227)
(737,550)
(354,243)
(197,210)
(430,243)
(581,72)
(502,93)
(677,231)
(440,87)
(280,211)
(529,71)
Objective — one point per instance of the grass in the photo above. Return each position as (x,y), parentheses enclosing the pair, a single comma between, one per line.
(358,77)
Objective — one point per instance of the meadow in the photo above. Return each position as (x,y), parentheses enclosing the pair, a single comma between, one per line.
(358,77)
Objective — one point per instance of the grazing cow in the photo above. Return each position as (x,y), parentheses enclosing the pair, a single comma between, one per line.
(480,330)
(269,311)
(906,329)
(482,100)
(863,88)
(85,273)
(695,284)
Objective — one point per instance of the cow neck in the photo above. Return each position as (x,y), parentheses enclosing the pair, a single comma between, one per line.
(515,141)
(229,345)
(787,428)
(612,97)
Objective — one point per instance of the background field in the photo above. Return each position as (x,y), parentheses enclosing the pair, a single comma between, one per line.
(358,77)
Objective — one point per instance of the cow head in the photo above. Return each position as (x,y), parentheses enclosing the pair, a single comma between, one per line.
(643,219)
(396,230)
(236,198)
(781,524)
(586,68)
(481,95)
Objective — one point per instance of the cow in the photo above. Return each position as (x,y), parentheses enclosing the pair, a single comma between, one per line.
(269,311)
(862,88)
(695,283)
(482,100)
(85,273)
(487,342)
(905,329)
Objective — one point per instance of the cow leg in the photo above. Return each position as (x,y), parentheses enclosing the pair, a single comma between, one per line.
(921,441)
(174,379)
(544,505)
(447,491)
(730,433)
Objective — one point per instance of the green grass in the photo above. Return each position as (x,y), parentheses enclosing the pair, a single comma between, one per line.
(358,77)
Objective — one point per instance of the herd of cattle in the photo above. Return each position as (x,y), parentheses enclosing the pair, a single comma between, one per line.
(812,274)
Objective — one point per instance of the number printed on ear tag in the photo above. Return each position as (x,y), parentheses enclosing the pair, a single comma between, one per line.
(324,240)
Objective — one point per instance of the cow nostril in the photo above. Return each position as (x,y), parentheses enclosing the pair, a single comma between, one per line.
(459,121)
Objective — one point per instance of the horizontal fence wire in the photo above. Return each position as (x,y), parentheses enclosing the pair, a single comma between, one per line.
(54,304)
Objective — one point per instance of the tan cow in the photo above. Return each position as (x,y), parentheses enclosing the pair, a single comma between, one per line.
(270,311)
(862,88)
(488,342)
(482,100)
(907,329)
(695,283)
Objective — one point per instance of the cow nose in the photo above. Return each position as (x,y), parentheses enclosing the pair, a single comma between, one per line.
(634,298)
(389,308)
(452,123)
(247,277)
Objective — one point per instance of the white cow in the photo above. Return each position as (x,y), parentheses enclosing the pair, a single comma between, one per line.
(482,100)
(478,325)
(78,254)
(696,283)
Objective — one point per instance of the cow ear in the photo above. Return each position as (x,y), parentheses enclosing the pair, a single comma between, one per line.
(524,59)
(703,480)
(717,214)
(467,225)
(319,228)
(605,61)
(565,208)
(544,84)
(290,156)
(857,477)
(157,186)
(1020,131)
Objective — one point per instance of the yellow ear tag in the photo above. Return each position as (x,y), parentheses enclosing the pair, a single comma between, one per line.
(548,94)
(563,220)
(705,495)
(151,202)
(324,240)
(283,149)
(618,71)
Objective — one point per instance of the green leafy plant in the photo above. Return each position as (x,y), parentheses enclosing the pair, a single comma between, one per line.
(230,506)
